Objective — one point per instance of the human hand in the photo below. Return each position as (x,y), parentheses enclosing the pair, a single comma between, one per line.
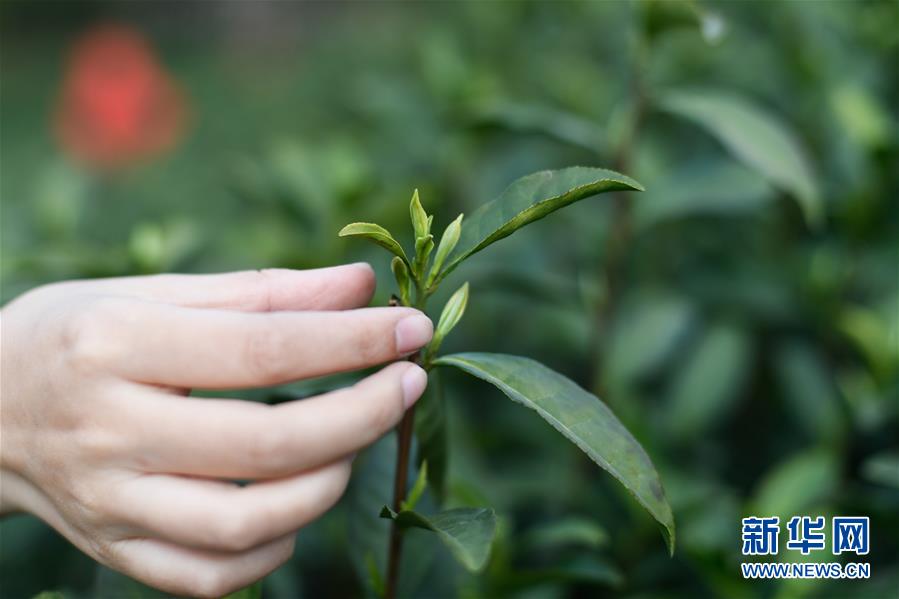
(100,440)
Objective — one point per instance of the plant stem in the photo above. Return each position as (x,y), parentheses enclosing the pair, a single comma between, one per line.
(404,432)
(401,476)
(621,231)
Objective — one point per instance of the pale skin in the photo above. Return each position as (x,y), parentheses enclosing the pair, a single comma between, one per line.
(100,439)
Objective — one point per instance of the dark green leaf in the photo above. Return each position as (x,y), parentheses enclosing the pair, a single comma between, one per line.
(883,468)
(754,136)
(705,388)
(581,417)
(532,198)
(721,187)
(649,329)
(808,389)
(467,532)
(797,484)
(581,570)
(566,532)
(377,234)
(558,124)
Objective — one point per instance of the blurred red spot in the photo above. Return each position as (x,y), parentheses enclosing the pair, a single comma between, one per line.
(118,105)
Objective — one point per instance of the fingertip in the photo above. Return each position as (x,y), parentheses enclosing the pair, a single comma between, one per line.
(414,382)
(413,332)
(365,280)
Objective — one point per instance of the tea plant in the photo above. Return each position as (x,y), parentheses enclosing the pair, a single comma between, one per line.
(580,416)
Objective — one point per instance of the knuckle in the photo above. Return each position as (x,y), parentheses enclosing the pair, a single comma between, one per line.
(258,289)
(235,531)
(100,445)
(91,505)
(265,353)
(85,334)
(104,550)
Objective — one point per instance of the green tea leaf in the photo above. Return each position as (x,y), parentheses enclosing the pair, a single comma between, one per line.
(420,222)
(754,136)
(532,198)
(401,273)
(449,318)
(467,532)
(448,242)
(377,234)
(421,482)
(581,417)
(423,247)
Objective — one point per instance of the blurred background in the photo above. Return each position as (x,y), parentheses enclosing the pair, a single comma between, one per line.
(741,316)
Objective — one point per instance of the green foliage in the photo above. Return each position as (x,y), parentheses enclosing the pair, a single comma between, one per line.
(467,532)
(579,416)
(415,493)
(626,297)
(449,318)
(403,279)
(448,242)
(755,137)
(703,392)
(532,198)
(377,234)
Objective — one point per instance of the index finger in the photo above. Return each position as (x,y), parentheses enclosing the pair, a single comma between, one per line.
(217,349)
(266,290)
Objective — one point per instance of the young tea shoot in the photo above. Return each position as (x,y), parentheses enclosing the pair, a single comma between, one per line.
(578,415)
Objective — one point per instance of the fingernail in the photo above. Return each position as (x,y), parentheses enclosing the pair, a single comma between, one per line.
(412,333)
(414,382)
